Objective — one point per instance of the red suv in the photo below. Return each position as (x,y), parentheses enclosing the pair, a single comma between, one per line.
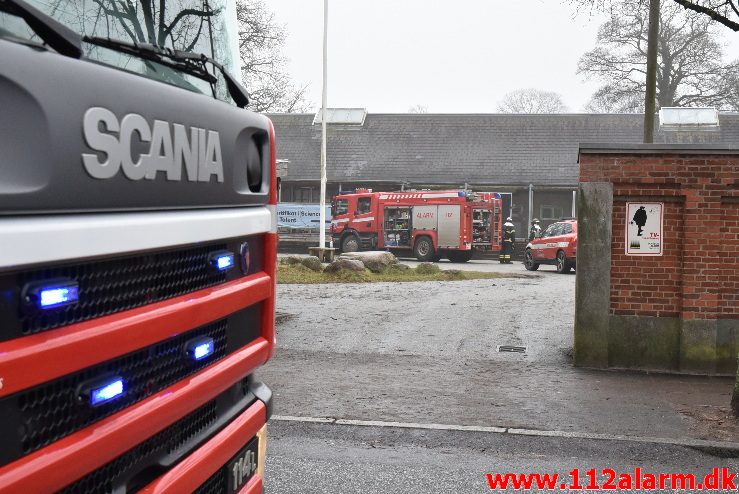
(557,245)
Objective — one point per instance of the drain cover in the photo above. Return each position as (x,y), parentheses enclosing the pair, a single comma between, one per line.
(511,349)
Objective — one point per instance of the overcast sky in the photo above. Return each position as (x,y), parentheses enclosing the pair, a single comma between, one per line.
(450,56)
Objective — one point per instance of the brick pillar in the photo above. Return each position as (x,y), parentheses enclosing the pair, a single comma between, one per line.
(701,270)
(678,311)
(592,293)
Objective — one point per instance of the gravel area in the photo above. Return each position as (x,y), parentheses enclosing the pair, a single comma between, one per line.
(454,319)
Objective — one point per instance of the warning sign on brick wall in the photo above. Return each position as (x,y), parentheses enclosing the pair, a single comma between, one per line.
(644,228)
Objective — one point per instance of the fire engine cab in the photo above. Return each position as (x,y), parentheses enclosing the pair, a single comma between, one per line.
(431,224)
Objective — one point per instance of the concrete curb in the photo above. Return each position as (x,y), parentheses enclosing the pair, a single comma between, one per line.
(719,448)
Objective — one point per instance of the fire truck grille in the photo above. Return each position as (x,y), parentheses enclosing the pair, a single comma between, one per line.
(36,417)
(216,484)
(113,286)
(170,439)
(51,411)
(117,284)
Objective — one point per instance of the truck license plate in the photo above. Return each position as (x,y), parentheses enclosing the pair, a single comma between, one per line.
(242,466)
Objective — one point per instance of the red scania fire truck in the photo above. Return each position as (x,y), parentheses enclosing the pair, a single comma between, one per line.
(137,262)
(431,224)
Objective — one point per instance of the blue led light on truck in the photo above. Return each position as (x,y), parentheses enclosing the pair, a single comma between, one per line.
(107,392)
(222,261)
(203,350)
(58,296)
(225,262)
(102,391)
(200,348)
(51,294)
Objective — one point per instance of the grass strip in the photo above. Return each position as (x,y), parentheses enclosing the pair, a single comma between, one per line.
(299,274)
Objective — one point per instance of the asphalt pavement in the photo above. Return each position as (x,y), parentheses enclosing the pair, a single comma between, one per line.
(321,458)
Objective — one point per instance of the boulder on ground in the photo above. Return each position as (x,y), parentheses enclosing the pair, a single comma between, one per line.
(375,266)
(427,268)
(375,260)
(386,258)
(291,260)
(340,264)
(400,267)
(312,263)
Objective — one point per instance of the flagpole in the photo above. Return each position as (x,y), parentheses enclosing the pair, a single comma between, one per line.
(322,226)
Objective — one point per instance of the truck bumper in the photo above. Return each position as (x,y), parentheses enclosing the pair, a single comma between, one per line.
(212,464)
(97,452)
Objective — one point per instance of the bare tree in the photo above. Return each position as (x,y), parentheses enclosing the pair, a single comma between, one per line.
(178,24)
(690,71)
(731,83)
(264,70)
(724,12)
(532,101)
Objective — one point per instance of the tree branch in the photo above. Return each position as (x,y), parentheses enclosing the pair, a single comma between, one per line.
(186,12)
(710,13)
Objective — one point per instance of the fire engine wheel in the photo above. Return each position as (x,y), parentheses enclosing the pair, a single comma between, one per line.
(350,244)
(528,261)
(563,266)
(424,249)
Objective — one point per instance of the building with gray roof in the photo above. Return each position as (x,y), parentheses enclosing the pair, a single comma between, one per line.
(524,156)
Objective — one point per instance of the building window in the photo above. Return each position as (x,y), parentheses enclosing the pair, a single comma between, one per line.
(305,194)
(550,212)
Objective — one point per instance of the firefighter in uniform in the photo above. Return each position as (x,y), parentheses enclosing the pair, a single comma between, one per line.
(535,231)
(509,236)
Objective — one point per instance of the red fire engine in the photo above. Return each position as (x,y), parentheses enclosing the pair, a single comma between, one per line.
(137,263)
(431,224)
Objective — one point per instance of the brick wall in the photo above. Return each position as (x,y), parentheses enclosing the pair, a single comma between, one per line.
(729,260)
(651,287)
(696,280)
(697,277)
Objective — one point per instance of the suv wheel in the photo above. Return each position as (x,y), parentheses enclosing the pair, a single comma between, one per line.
(528,261)
(563,265)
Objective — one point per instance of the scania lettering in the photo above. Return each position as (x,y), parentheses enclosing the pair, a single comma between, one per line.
(198,149)
(138,260)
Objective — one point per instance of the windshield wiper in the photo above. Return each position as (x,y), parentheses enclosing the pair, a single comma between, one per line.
(67,42)
(53,33)
(187,62)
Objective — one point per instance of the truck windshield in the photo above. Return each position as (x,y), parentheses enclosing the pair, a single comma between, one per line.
(341,206)
(186,25)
